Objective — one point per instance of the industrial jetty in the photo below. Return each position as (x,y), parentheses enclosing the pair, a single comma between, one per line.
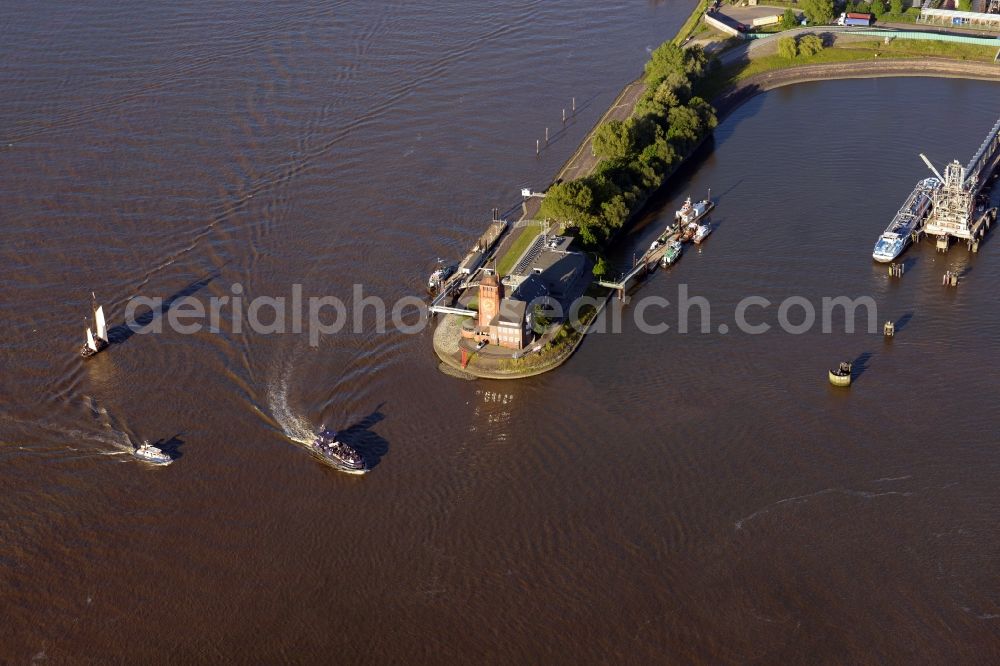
(953,205)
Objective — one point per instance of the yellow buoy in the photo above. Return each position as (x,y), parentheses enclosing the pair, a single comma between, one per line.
(842,375)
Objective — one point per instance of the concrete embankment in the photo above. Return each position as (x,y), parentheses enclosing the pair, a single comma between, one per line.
(748,88)
(447,335)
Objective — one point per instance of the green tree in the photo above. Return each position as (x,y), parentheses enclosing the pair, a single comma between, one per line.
(819,12)
(666,59)
(570,201)
(542,317)
(964,5)
(679,85)
(810,45)
(659,103)
(788,47)
(614,212)
(878,7)
(695,62)
(705,111)
(670,58)
(614,140)
(896,6)
(789,19)
(619,140)
(685,127)
(591,233)
(659,155)
(601,268)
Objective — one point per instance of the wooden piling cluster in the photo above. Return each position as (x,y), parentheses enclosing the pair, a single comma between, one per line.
(538,142)
(949,279)
(896,270)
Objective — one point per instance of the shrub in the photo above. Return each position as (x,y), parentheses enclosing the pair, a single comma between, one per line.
(788,47)
(601,268)
(810,45)
(789,19)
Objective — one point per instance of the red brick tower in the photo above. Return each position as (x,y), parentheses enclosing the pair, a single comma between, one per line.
(490,293)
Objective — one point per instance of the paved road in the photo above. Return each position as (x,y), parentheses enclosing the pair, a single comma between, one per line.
(583,161)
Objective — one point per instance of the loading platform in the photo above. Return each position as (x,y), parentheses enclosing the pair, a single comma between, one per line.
(960,208)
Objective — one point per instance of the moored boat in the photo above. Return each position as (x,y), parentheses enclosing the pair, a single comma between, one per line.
(899,234)
(688,232)
(338,454)
(692,212)
(672,254)
(439,276)
(701,233)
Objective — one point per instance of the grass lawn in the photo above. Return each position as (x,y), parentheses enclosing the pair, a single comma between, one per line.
(518,246)
(692,22)
(908,16)
(897,49)
(867,50)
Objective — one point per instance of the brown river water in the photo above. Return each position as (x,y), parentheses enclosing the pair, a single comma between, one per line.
(666,498)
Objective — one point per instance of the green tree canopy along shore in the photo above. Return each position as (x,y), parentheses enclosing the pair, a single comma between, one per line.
(639,153)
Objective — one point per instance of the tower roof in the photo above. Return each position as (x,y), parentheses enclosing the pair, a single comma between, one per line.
(489,280)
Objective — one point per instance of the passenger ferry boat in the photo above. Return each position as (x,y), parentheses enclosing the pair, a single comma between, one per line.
(899,234)
(673,253)
(338,454)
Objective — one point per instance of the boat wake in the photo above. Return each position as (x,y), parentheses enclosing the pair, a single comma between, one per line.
(295,426)
(113,443)
(800,499)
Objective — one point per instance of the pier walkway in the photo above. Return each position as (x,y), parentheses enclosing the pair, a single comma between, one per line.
(646,264)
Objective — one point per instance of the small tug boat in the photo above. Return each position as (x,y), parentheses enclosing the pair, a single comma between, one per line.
(692,212)
(439,276)
(687,234)
(842,375)
(338,454)
(146,452)
(673,253)
(701,232)
(98,343)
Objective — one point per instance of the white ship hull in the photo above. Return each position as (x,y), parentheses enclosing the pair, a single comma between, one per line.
(887,249)
(899,234)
